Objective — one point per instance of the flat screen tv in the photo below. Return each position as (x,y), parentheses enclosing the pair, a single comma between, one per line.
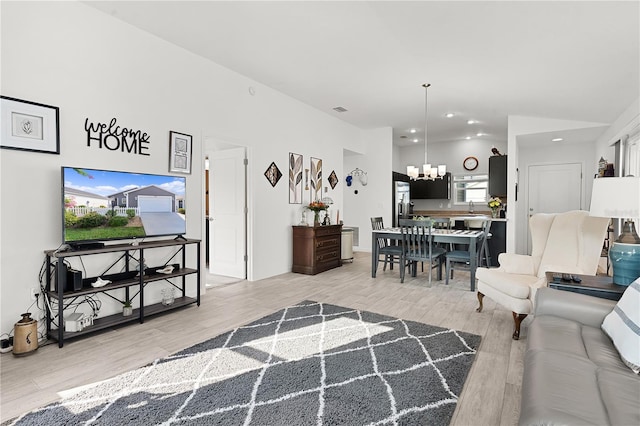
(103,205)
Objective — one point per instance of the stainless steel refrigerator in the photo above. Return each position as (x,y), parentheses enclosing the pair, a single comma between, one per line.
(402,206)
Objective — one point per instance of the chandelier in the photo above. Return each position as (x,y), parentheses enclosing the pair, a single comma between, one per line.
(428,172)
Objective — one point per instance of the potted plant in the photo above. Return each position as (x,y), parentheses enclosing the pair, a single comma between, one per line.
(127,309)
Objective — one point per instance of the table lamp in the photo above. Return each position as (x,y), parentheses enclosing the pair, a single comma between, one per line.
(619,197)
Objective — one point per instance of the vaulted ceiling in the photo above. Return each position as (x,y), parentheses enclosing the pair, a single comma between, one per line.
(572,60)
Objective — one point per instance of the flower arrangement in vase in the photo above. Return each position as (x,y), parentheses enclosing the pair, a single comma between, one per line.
(316,207)
(495,204)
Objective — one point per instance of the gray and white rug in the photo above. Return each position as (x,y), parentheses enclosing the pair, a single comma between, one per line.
(308,364)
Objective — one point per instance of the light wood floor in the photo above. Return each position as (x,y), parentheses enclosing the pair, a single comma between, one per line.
(491,395)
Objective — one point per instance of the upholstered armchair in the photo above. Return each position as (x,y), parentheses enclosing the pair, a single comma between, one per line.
(569,242)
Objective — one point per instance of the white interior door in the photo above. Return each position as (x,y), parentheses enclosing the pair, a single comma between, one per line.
(554,188)
(227,213)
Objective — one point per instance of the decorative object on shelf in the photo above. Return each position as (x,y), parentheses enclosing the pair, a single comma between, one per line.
(316,207)
(273,174)
(470,163)
(303,217)
(316,178)
(619,198)
(358,174)
(166,270)
(127,309)
(602,166)
(495,204)
(328,201)
(495,151)
(179,152)
(100,283)
(428,172)
(29,126)
(295,178)
(168,296)
(333,179)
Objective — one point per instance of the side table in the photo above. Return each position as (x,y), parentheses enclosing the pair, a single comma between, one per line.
(598,286)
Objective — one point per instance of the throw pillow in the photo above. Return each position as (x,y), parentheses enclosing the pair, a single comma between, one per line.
(622,325)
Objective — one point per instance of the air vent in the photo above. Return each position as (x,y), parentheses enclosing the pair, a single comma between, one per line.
(340,109)
(403,137)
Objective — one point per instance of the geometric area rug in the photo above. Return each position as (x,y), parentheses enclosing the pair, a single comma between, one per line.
(308,364)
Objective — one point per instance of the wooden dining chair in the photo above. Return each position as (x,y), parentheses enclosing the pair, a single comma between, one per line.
(417,246)
(386,252)
(461,259)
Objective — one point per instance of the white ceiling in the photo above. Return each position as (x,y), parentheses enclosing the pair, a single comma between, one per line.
(573,60)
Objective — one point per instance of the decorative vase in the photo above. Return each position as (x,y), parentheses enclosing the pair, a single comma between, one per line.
(316,218)
(127,311)
(494,213)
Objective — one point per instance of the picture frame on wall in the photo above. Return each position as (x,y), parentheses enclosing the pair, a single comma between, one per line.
(180,146)
(29,126)
(295,178)
(316,178)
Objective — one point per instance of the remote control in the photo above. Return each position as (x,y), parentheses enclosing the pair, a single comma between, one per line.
(576,279)
(566,277)
(557,277)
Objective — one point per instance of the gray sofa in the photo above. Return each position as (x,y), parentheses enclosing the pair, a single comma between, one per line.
(573,374)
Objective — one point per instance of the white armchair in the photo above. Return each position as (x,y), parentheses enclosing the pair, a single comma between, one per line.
(568,242)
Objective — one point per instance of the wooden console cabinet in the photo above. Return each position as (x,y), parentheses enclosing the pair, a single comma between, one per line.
(316,249)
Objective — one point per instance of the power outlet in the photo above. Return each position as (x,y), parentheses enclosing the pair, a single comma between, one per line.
(34,292)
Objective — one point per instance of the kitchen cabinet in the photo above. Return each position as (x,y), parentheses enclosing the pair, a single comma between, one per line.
(498,176)
(316,248)
(439,189)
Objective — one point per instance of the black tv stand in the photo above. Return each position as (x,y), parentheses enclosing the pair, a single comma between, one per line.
(180,238)
(86,245)
(123,278)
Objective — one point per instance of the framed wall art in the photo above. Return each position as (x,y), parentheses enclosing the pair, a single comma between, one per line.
(295,178)
(316,178)
(29,126)
(273,174)
(179,152)
(333,179)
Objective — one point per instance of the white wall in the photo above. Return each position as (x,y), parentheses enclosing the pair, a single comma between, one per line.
(517,215)
(91,65)
(375,198)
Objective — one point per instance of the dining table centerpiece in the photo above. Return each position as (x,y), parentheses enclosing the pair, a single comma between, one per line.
(316,207)
(495,204)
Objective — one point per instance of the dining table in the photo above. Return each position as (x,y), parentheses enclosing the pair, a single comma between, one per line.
(469,237)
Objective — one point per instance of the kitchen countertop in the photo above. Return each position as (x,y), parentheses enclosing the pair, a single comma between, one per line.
(457,215)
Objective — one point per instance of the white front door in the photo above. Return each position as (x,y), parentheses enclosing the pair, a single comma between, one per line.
(227,213)
(554,188)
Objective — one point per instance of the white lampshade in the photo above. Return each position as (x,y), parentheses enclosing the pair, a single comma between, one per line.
(616,197)
(426,169)
(442,170)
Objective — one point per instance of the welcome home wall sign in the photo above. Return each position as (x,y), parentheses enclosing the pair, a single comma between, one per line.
(116,138)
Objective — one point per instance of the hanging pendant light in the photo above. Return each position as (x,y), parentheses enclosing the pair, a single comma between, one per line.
(428,172)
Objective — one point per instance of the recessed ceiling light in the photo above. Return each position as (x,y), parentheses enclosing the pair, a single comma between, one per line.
(471,122)
(479,134)
(557,140)
(449,114)
(412,131)
(415,141)
(468,137)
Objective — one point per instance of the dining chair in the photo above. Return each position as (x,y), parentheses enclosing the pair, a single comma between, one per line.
(386,252)
(461,259)
(443,223)
(417,246)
